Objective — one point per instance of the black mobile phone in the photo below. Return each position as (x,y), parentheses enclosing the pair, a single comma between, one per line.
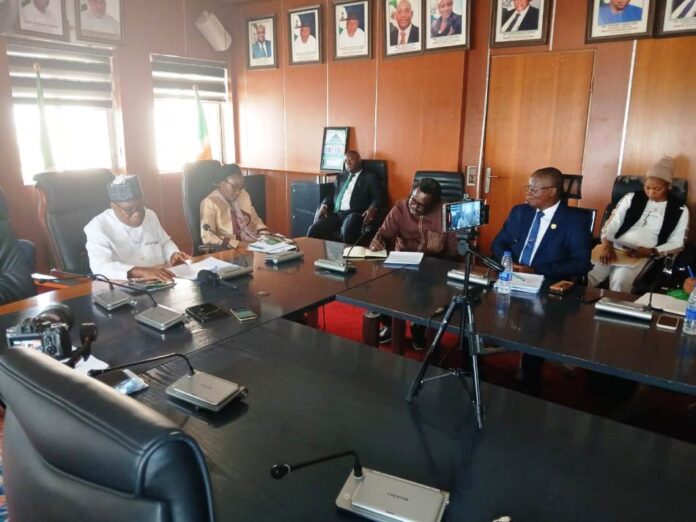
(243,313)
(205,312)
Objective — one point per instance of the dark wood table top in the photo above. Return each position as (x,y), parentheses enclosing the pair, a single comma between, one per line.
(313,394)
(565,330)
(272,292)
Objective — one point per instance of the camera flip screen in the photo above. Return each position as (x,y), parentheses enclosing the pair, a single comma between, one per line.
(461,215)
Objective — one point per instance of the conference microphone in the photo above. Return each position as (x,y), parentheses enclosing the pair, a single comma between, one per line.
(198,388)
(278,471)
(666,270)
(159,317)
(207,228)
(210,278)
(340,265)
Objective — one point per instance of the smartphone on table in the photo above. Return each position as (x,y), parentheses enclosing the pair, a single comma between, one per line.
(243,313)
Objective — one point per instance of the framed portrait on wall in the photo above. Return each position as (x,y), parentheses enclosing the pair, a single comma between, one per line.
(447,24)
(402,30)
(305,35)
(352,29)
(333,148)
(42,18)
(619,19)
(99,20)
(261,42)
(675,18)
(520,22)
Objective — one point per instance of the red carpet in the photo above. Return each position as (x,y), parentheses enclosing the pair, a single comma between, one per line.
(658,410)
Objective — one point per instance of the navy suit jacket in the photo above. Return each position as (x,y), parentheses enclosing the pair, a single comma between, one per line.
(564,251)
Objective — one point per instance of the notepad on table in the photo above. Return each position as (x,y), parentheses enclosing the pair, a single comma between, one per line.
(527,283)
(663,302)
(362,252)
(404,258)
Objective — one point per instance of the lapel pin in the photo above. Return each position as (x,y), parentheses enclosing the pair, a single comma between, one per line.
(553,226)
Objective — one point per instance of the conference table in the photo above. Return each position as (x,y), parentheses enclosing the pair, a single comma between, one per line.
(272,291)
(566,330)
(313,394)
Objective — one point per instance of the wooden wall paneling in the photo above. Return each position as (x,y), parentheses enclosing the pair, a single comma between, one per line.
(662,110)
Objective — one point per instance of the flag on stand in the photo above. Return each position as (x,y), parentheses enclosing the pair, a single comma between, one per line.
(44,138)
(206,152)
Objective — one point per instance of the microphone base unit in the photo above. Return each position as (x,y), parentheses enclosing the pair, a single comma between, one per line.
(475,278)
(627,308)
(283,257)
(385,498)
(160,317)
(233,272)
(112,299)
(335,266)
(206,391)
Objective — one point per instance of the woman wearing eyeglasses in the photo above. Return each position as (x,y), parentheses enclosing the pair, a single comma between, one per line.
(644,224)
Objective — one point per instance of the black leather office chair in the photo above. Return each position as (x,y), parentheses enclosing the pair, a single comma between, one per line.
(572,187)
(75,449)
(66,202)
(26,247)
(452,183)
(198,180)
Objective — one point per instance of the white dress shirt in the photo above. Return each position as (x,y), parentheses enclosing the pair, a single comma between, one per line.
(305,48)
(357,40)
(106,24)
(114,248)
(543,227)
(646,230)
(44,21)
(345,202)
(520,16)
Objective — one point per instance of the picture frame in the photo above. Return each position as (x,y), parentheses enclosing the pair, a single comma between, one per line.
(609,21)
(305,35)
(99,21)
(447,24)
(262,52)
(352,29)
(512,28)
(401,34)
(675,18)
(333,148)
(50,22)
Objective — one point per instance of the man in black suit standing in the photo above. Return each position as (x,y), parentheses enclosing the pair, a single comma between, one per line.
(523,17)
(357,198)
(405,32)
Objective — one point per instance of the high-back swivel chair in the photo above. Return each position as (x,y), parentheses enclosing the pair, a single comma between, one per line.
(66,202)
(26,247)
(452,183)
(75,449)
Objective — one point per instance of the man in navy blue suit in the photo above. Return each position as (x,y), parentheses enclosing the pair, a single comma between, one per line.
(545,237)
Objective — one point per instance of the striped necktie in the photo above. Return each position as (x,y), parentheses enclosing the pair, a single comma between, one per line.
(526,256)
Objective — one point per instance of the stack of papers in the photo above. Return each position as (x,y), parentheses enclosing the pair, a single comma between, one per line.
(527,283)
(404,258)
(272,245)
(190,271)
(360,252)
(663,302)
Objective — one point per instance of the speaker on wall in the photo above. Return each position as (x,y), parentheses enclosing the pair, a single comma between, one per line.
(305,199)
(209,25)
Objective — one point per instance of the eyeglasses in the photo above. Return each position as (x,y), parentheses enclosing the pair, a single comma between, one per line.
(533,190)
(236,188)
(132,209)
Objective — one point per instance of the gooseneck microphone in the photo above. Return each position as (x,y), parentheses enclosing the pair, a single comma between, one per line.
(666,270)
(88,334)
(278,471)
(365,230)
(112,284)
(340,265)
(207,228)
(96,373)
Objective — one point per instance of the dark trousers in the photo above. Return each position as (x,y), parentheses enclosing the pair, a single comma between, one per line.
(344,226)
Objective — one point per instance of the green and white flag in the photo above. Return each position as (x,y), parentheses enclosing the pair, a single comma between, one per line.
(46,151)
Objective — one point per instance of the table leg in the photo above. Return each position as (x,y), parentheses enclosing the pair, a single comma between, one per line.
(370,332)
(312,318)
(398,335)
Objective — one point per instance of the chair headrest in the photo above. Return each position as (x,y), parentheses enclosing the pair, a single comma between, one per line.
(61,193)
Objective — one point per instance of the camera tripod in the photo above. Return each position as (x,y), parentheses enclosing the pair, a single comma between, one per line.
(467,330)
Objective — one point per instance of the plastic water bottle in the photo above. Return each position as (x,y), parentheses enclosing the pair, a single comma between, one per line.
(505,277)
(690,316)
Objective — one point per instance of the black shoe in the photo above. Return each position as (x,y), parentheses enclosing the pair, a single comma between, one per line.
(418,337)
(384,334)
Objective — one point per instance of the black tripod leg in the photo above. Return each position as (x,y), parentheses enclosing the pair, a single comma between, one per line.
(474,349)
(418,381)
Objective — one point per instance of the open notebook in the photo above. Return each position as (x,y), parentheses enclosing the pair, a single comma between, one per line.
(362,252)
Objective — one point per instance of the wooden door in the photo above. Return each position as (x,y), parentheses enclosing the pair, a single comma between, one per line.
(537,116)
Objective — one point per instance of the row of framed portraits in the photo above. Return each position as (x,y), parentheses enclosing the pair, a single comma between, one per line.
(414,26)
(95,20)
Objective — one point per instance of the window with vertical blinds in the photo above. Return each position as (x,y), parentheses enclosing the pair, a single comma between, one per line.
(179,126)
(78,98)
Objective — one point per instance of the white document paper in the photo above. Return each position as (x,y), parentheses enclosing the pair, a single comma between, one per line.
(271,245)
(190,271)
(527,283)
(664,302)
(404,258)
(92,363)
